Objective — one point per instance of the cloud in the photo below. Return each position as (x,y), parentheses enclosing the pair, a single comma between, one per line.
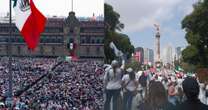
(138,15)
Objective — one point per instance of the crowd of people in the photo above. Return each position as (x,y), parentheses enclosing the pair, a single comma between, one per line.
(78,85)
(152,89)
(75,85)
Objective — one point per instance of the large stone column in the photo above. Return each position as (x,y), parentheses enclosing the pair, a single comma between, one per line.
(158,47)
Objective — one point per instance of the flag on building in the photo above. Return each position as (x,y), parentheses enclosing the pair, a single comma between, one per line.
(29,20)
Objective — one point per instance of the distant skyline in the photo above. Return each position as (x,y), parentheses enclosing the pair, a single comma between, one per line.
(82,8)
(140,16)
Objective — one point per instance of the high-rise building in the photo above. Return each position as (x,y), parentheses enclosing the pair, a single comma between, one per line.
(178,53)
(168,55)
(148,56)
(151,56)
(139,54)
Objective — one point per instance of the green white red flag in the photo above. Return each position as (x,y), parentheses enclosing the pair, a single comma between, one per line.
(30,21)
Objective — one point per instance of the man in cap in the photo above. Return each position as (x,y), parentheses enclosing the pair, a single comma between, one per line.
(191,90)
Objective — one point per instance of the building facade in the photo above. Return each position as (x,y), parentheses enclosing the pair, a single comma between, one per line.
(151,56)
(168,55)
(148,56)
(178,53)
(139,55)
(62,37)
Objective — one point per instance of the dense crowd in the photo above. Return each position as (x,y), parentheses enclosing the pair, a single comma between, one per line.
(152,89)
(72,85)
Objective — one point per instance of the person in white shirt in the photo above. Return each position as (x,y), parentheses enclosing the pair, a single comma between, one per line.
(129,85)
(112,84)
(206,91)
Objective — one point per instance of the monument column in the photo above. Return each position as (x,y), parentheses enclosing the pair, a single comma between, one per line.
(157,42)
(158,46)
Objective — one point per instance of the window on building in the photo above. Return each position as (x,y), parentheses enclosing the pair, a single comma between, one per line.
(61,30)
(2,39)
(81,30)
(87,50)
(45,39)
(71,40)
(7,48)
(1,48)
(18,50)
(60,40)
(53,50)
(83,41)
(53,39)
(93,41)
(13,39)
(98,50)
(41,50)
(98,41)
(88,39)
(71,30)
(7,39)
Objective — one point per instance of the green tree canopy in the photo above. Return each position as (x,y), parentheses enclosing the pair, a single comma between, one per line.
(196,27)
(112,19)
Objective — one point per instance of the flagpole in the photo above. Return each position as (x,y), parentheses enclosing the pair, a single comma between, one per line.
(72,4)
(10,95)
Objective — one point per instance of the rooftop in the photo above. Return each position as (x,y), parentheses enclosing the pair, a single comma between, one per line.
(5,18)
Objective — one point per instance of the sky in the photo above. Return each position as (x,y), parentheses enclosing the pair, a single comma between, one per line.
(139,17)
(82,8)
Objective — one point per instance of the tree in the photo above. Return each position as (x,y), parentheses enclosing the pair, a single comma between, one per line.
(112,19)
(188,67)
(195,25)
(121,41)
(135,65)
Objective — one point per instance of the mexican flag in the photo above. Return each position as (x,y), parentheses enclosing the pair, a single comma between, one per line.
(29,20)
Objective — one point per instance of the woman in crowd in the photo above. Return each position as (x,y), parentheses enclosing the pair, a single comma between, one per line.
(112,84)
(129,85)
(172,93)
(156,98)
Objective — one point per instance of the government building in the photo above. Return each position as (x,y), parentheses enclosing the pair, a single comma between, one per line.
(62,37)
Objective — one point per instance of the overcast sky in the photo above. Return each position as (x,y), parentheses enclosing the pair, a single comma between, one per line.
(62,7)
(139,16)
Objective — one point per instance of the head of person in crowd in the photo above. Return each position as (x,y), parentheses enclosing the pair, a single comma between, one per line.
(114,64)
(191,88)
(131,73)
(156,96)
